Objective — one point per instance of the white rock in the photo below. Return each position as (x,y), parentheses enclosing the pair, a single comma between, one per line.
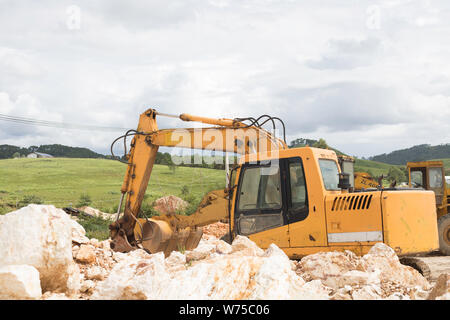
(329,267)
(381,264)
(95,242)
(54,296)
(223,248)
(40,236)
(87,286)
(78,233)
(382,260)
(444,297)
(73,278)
(366,293)
(351,278)
(86,254)
(232,276)
(397,296)
(202,251)
(248,247)
(95,273)
(19,282)
(176,258)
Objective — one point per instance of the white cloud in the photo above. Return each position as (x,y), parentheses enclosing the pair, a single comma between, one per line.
(316,65)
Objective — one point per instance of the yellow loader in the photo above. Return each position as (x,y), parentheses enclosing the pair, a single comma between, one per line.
(298,199)
(430,175)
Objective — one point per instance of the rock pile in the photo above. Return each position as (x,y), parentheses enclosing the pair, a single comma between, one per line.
(169,204)
(217,230)
(44,254)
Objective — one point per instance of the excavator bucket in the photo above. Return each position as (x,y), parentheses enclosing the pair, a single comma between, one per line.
(158,236)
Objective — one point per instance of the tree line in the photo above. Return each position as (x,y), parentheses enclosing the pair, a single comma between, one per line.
(421,152)
(56,150)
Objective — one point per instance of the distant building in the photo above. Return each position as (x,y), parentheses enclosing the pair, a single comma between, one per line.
(39,155)
(447,179)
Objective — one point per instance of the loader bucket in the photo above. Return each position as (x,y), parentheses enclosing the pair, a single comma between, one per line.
(158,236)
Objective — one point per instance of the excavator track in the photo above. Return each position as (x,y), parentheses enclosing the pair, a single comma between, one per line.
(431,266)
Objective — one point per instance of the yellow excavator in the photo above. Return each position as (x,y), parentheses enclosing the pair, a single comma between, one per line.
(298,199)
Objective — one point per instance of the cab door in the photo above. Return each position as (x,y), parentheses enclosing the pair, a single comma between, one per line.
(305,208)
(260,208)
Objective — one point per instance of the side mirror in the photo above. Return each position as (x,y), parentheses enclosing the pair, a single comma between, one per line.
(344,181)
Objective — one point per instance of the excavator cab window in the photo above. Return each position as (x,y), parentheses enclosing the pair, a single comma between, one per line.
(330,174)
(260,189)
(298,187)
(297,195)
(259,199)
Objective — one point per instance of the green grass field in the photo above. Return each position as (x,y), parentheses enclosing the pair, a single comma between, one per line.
(377,168)
(62,181)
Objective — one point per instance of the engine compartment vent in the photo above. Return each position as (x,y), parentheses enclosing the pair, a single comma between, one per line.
(352,202)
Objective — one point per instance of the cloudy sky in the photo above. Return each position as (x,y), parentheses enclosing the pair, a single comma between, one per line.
(367,76)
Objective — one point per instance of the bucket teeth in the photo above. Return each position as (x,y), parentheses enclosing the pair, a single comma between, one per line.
(120,243)
(194,238)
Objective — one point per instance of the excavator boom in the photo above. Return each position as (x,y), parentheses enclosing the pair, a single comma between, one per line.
(167,232)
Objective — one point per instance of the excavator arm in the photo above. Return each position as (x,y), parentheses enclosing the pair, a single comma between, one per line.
(167,232)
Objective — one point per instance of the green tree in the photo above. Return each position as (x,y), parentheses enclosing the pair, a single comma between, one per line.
(184,190)
(321,144)
(396,174)
(16,155)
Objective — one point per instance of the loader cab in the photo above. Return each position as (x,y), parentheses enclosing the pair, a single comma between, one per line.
(429,175)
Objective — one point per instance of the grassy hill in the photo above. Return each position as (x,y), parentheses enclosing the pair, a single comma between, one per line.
(62,181)
(56,150)
(376,168)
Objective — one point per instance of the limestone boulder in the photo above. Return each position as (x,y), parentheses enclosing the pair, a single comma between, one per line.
(39,236)
(78,233)
(86,254)
(382,261)
(97,213)
(380,265)
(19,282)
(169,204)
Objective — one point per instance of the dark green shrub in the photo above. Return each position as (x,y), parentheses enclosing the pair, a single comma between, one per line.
(84,200)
